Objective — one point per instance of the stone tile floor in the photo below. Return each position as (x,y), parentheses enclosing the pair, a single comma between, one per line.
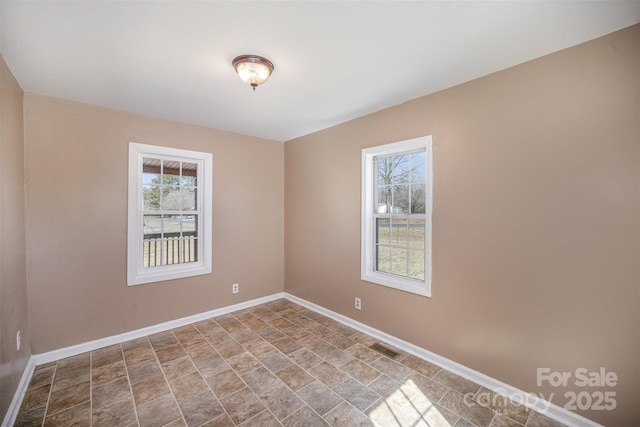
(276,364)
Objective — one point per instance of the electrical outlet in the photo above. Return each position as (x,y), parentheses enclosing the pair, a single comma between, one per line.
(235,288)
(18,340)
(358,304)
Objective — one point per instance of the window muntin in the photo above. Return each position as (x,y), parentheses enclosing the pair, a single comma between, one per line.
(399,214)
(169,213)
(396,215)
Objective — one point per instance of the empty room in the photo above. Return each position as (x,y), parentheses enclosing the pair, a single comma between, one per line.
(320,213)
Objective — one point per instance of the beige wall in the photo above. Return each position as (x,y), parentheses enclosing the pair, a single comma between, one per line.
(535,224)
(76,157)
(13,282)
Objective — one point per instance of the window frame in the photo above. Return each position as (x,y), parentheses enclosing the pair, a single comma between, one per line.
(368,237)
(137,274)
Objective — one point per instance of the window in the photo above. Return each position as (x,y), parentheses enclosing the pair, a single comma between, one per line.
(169,234)
(396,215)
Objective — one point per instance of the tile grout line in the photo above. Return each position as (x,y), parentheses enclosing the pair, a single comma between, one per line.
(200,373)
(46,408)
(259,361)
(203,377)
(269,370)
(133,399)
(166,379)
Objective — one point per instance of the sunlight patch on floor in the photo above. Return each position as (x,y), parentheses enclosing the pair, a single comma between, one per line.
(407,406)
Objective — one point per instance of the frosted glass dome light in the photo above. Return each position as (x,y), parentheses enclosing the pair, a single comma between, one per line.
(253,69)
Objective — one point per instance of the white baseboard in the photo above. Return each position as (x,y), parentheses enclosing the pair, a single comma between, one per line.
(531,401)
(51,356)
(54,355)
(16,402)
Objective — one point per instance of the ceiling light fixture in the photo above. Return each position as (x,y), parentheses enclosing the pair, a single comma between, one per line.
(253,69)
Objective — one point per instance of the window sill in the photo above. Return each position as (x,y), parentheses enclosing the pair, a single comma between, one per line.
(411,286)
(160,274)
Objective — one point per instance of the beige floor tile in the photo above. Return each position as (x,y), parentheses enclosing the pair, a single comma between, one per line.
(467,409)
(296,332)
(263,419)
(42,376)
(158,412)
(328,374)
(355,393)
(304,417)
(271,334)
(393,369)
(363,353)
(169,353)
(261,380)
(200,409)
(32,418)
(201,351)
(502,421)
(149,389)
(244,335)
(305,358)
(77,416)
(178,368)
(538,420)
(106,356)
(335,356)
(419,365)
(345,415)
(135,343)
(282,402)
(258,347)
(121,413)
(456,382)
(384,386)
(107,394)
(70,374)
(339,341)
(360,371)
(425,386)
(188,386)
(143,370)
(280,323)
(73,362)
(35,397)
(222,421)
(320,397)
(107,373)
(139,354)
(65,398)
(225,383)
(502,405)
(243,362)
(212,366)
(162,339)
(287,345)
(242,405)
(229,348)
(295,377)
(275,361)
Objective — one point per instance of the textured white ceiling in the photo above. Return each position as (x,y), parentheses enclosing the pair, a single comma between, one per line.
(334,60)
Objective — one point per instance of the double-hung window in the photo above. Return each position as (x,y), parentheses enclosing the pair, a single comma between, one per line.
(396,215)
(169,234)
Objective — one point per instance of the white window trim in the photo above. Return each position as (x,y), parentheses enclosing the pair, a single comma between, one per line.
(368,272)
(136,273)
